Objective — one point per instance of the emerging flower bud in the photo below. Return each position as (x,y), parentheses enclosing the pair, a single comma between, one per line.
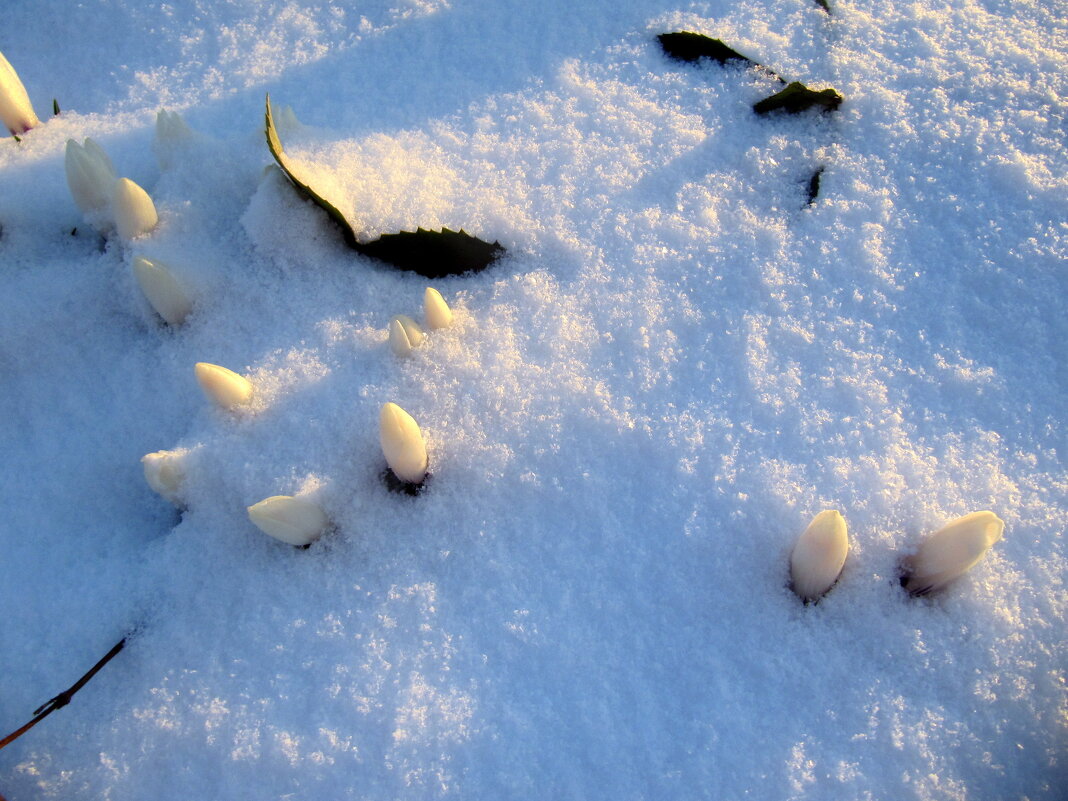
(91,177)
(16,111)
(162,290)
(402,444)
(165,473)
(818,555)
(291,520)
(952,551)
(223,386)
(404,334)
(134,211)
(436,310)
(171,132)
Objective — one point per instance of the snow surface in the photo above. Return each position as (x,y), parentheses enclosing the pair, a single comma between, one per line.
(635,414)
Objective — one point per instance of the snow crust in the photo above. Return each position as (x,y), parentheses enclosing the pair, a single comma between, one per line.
(631,419)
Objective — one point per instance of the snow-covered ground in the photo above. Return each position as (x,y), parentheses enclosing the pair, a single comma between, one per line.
(637,410)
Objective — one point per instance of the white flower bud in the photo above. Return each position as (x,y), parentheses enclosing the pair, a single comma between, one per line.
(952,551)
(404,335)
(402,444)
(436,310)
(91,177)
(225,387)
(165,473)
(171,133)
(16,111)
(292,520)
(162,290)
(819,554)
(134,211)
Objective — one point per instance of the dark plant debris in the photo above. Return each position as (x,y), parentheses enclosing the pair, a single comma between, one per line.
(690,47)
(433,254)
(814,186)
(797,97)
(394,484)
(824,5)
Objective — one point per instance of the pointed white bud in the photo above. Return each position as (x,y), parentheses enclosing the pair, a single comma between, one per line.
(436,310)
(134,211)
(225,387)
(819,554)
(165,473)
(402,444)
(171,133)
(292,520)
(16,111)
(162,290)
(91,177)
(404,335)
(951,551)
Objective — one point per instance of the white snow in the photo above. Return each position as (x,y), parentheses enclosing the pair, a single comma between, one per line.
(631,419)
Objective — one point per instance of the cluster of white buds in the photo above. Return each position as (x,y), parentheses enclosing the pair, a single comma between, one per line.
(820,552)
(405,334)
(16,111)
(162,290)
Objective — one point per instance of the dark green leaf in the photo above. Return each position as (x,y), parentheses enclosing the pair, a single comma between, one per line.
(690,46)
(433,254)
(814,186)
(55,107)
(824,5)
(797,97)
(274,144)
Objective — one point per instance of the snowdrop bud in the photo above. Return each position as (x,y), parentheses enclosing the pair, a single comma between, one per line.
(402,444)
(165,473)
(171,132)
(292,520)
(819,554)
(16,111)
(134,211)
(952,551)
(436,310)
(162,290)
(404,334)
(91,177)
(223,386)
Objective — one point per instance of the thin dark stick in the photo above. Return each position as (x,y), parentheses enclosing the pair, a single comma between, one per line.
(64,697)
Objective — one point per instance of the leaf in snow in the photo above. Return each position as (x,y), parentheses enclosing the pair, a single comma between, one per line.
(797,97)
(689,46)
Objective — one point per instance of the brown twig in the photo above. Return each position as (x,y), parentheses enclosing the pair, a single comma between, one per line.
(64,697)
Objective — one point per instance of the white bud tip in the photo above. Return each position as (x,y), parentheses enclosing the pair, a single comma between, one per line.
(16,111)
(228,389)
(291,520)
(436,310)
(819,554)
(134,211)
(165,473)
(404,335)
(162,290)
(952,551)
(91,178)
(402,444)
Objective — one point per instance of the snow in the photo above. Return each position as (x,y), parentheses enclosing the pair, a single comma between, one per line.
(633,416)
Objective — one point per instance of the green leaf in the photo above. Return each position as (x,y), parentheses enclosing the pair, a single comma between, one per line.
(433,254)
(274,144)
(814,186)
(797,97)
(690,46)
(824,5)
(55,107)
